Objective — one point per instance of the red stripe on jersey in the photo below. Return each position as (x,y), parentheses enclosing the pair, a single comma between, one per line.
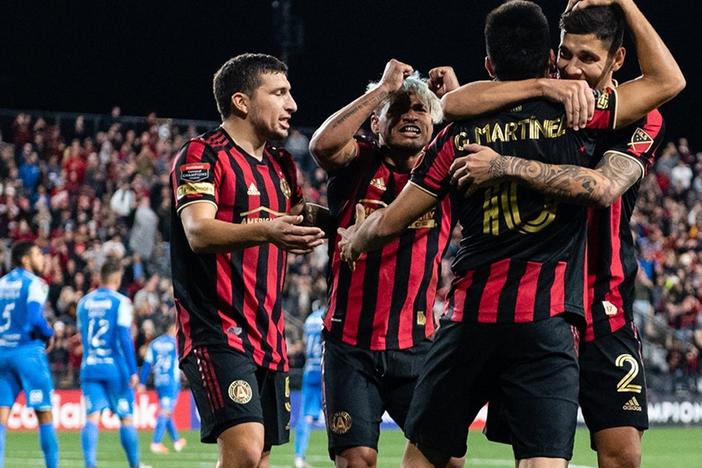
(224,289)
(353,308)
(459,297)
(183,322)
(490,299)
(616,269)
(406,325)
(386,275)
(558,289)
(526,293)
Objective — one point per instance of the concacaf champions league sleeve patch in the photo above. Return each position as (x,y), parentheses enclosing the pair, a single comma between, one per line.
(195,180)
(194,172)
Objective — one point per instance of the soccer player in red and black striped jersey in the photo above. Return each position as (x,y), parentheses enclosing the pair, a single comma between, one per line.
(615,410)
(234,217)
(379,318)
(520,269)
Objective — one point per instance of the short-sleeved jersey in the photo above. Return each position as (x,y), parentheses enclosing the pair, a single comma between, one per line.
(17,289)
(162,356)
(612,264)
(313,345)
(99,315)
(231,299)
(387,301)
(522,254)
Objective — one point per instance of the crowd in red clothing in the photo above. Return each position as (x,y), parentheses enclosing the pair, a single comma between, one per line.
(83,189)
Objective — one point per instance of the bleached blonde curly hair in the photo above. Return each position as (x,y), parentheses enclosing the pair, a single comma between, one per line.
(413,84)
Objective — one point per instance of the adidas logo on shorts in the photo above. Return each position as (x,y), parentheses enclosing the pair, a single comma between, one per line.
(632,405)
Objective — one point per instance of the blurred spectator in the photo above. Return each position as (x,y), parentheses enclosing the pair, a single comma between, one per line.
(143,235)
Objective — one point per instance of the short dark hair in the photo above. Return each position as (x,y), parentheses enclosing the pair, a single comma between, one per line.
(19,250)
(242,74)
(605,22)
(517,40)
(111,266)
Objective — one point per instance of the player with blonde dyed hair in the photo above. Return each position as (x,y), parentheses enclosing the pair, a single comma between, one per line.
(379,319)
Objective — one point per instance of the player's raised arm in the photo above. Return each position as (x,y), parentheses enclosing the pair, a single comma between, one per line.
(479,97)
(661,78)
(333,145)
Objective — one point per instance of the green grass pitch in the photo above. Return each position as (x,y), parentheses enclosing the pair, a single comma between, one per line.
(662,447)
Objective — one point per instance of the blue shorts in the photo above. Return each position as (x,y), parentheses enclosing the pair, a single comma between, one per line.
(311,398)
(25,368)
(111,392)
(167,397)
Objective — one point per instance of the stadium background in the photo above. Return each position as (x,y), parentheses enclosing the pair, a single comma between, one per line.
(96,97)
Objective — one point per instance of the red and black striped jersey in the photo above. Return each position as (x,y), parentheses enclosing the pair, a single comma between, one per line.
(522,254)
(231,299)
(387,301)
(612,264)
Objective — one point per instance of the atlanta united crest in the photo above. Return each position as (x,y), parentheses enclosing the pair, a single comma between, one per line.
(340,422)
(285,188)
(240,392)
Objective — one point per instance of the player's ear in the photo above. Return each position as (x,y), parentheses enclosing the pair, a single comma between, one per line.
(619,57)
(375,123)
(552,71)
(240,103)
(489,67)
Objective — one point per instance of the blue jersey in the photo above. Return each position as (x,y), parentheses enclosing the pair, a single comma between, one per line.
(104,321)
(22,297)
(161,356)
(313,345)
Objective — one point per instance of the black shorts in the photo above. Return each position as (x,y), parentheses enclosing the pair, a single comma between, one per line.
(612,382)
(360,385)
(611,395)
(229,389)
(532,366)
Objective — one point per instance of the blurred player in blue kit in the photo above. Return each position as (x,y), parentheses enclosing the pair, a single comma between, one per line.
(162,358)
(23,334)
(108,372)
(311,394)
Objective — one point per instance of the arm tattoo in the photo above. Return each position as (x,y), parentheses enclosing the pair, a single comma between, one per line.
(369,101)
(601,186)
(497,168)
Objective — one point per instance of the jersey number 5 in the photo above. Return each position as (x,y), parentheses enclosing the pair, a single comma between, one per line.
(7,317)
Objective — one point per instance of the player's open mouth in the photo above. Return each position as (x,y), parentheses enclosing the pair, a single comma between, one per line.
(285,122)
(410,130)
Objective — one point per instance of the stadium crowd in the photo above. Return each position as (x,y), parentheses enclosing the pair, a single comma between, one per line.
(84,189)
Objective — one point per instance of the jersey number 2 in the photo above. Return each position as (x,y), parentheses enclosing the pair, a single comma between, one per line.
(625,384)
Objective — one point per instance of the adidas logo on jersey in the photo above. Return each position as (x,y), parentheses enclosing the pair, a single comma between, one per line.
(378,183)
(632,405)
(253,191)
